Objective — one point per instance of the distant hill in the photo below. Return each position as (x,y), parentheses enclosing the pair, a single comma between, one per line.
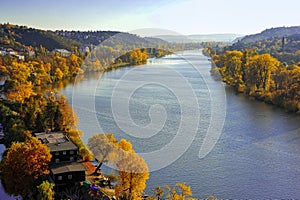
(154,40)
(111,38)
(87,37)
(226,38)
(20,37)
(282,43)
(271,34)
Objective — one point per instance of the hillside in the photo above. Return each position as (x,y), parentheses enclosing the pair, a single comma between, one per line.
(20,37)
(87,37)
(23,37)
(110,38)
(282,43)
(271,33)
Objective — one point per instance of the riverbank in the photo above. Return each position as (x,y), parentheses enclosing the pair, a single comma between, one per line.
(259,76)
(256,156)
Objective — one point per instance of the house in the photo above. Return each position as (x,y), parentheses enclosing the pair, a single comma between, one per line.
(61,148)
(64,168)
(63,52)
(63,174)
(20,57)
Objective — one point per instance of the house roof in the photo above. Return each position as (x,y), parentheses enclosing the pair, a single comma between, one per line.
(56,141)
(61,51)
(59,168)
(67,146)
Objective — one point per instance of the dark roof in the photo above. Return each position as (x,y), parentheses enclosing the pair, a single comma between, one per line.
(56,141)
(59,168)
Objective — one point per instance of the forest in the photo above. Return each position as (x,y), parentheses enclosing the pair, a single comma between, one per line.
(260,76)
(265,66)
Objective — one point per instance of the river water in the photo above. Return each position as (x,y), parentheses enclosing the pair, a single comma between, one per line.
(171,109)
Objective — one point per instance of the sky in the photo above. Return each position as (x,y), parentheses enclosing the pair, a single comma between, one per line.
(180,16)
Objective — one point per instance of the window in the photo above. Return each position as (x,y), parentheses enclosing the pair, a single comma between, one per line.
(71,152)
(56,153)
(71,158)
(57,160)
(64,153)
(70,176)
(59,178)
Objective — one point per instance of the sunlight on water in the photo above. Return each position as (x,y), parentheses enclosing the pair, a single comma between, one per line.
(257,155)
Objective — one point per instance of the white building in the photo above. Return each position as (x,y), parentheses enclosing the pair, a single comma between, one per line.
(63,52)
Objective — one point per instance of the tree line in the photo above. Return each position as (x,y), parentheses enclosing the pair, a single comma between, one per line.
(260,76)
(30,104)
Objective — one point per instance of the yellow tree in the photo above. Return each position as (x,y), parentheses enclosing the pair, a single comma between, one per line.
(104,147)
(46,191)
(159,192)
(67,118)
(180,192)
(259,70)
(23,164)
(18,88)
(233,67)
(133,174)
(133,170)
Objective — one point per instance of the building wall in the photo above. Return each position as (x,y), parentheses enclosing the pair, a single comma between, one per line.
(64,156)
(68,177)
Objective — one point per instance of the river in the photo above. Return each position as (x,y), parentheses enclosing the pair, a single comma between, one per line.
(171,108)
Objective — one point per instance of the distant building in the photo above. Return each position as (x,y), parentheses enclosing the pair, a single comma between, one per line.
(31,53)
(20,57)
(63,52)
(64,168)
(84,49)
(2,53)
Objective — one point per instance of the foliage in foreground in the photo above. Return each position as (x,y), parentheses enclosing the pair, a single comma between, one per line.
(23,164)
(45,191)
(133,170)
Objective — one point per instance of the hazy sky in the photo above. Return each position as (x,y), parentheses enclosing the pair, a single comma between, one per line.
(182,16)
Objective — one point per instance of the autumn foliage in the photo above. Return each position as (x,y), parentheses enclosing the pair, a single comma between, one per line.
(260,76)
(23,164)
(133,170)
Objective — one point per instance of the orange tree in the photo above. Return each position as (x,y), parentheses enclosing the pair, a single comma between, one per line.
(23,164)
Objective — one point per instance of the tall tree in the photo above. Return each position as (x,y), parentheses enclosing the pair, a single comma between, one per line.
(133,174)
(259,71)
(133,170)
